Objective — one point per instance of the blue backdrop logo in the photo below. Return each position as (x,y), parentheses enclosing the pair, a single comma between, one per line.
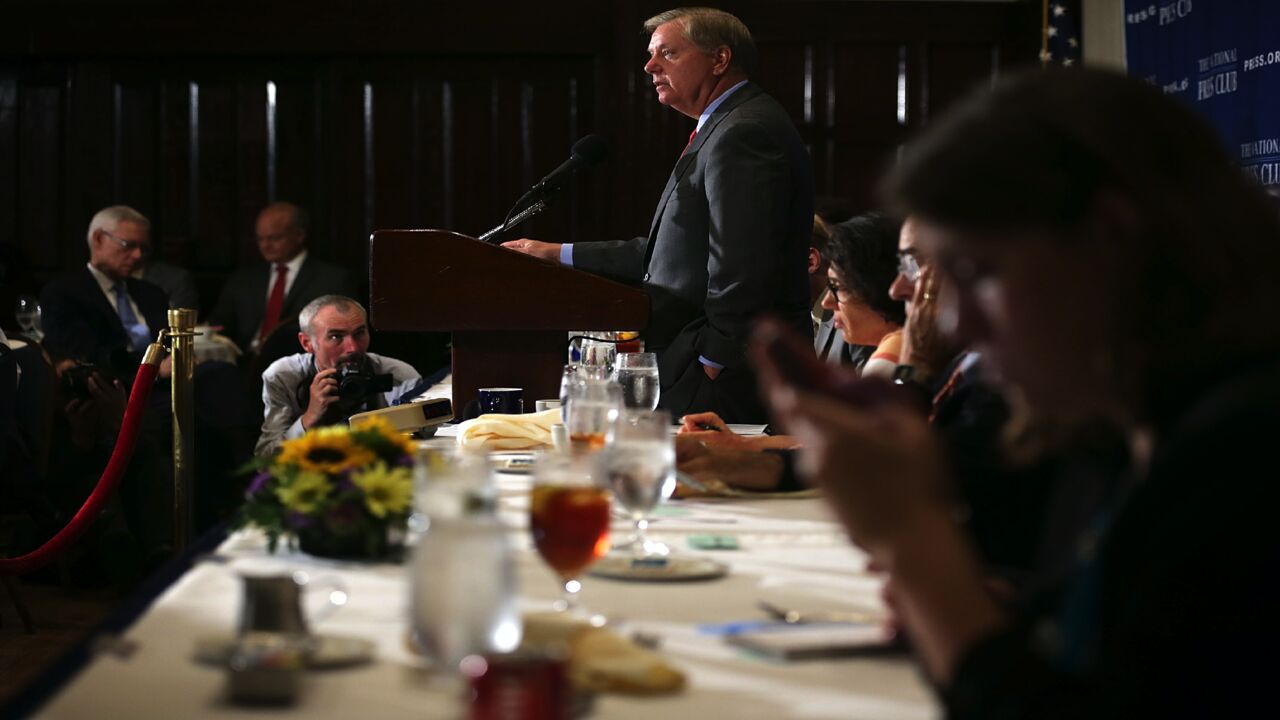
(1222,58)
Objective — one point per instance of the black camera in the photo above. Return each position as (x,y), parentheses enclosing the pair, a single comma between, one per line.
(75,380)
(357,381)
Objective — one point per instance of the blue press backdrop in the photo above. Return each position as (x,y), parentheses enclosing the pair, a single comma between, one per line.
(1223,58)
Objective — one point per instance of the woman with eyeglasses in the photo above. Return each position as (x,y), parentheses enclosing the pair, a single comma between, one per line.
(864,264)
(863,253)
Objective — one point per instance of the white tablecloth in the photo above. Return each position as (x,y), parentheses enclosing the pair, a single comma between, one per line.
(791,553)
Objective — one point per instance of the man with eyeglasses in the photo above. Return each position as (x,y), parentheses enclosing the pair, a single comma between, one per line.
(101,313)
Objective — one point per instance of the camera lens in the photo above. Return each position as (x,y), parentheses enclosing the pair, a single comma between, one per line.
(352,383)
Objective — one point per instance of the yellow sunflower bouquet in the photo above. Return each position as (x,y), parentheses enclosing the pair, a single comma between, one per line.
(337,491)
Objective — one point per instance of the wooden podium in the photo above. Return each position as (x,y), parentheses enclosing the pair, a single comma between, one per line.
(509,313)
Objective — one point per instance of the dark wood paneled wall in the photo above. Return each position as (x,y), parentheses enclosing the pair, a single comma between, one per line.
(407,113)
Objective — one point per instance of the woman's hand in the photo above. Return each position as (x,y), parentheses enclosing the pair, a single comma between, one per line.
(734,467)
(881,469)
(923,345)
(710,429)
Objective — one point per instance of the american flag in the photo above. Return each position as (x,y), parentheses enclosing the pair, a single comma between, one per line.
(1060,42)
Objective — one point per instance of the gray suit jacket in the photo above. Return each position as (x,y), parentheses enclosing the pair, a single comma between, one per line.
(729,242)
(244,298)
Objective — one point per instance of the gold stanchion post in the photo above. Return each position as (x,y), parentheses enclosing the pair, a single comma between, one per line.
(182,323)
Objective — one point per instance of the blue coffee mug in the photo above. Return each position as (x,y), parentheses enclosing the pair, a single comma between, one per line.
(509,401)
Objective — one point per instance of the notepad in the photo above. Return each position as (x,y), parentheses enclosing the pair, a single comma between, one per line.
(815,640)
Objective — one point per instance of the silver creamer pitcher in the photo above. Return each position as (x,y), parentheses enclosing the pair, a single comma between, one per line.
(273,603)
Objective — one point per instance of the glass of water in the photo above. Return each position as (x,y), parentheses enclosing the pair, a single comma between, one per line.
(640,468)
(638,375)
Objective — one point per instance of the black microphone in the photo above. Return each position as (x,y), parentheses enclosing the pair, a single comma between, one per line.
(587,152)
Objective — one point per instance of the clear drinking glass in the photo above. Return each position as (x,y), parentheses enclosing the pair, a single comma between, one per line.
(572,373)
(637,373)
(639,466)
(26,311)
(462,580)
(598,352)
(568,519)
(591,405)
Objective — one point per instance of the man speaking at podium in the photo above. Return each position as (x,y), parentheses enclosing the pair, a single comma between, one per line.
(729,240)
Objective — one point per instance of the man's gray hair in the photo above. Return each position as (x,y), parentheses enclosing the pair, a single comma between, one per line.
(709,28)
(109,219)
(342,303)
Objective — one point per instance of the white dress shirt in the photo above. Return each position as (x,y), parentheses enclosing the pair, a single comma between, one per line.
(109,289)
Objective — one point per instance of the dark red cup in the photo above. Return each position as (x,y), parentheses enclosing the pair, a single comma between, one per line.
(518,686)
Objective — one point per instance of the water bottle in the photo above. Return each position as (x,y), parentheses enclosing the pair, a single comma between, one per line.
(462,585)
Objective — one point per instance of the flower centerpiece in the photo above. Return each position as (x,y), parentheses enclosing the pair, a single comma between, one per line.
(336,491)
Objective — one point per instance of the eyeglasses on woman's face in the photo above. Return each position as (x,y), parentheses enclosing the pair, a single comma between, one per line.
(909,266)
(842,294)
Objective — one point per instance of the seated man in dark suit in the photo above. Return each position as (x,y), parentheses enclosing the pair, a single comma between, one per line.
(100,313)
(258,298)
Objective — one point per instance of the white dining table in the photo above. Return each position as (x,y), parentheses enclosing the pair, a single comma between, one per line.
(791,553)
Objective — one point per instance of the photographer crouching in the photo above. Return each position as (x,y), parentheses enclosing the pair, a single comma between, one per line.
(334,379)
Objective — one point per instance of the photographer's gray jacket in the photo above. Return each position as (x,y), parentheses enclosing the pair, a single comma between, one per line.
(282,414)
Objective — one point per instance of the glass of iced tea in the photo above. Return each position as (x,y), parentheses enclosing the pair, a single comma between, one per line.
(591,406)
(569,519)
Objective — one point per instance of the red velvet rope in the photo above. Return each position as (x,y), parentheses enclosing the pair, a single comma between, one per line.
(107,484)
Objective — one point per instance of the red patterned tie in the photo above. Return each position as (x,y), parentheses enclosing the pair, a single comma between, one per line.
(275,304)
(692,135)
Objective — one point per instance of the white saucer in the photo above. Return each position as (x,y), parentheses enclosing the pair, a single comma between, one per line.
(326,651)
(677,568)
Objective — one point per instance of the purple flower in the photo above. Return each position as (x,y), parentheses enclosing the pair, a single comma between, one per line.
(297,520)
(258,484)
(405,461)
(343,482)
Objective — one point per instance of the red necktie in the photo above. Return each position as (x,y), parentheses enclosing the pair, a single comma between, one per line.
(692,135)
(275,304)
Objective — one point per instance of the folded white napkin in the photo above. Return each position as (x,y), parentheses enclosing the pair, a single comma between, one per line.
(508,432)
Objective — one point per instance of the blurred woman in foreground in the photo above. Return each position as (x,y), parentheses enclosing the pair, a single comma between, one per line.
(1115,269)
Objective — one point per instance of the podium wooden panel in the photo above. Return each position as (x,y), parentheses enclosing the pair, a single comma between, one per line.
(509,313)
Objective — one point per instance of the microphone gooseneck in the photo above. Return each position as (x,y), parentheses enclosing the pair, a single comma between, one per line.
(587,152)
